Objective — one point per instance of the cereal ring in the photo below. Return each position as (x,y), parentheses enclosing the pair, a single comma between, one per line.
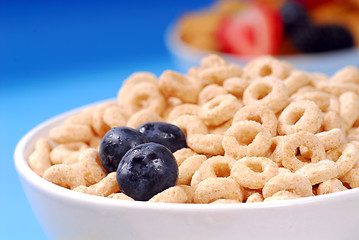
(282,195)
(255,197)
(182,154)
(297,80)
(84,117)
(219,110)
(221,129)
(353,134)
(332,120)
(267,66)
(143,116)
(141,96)
(334,154)
(190,124)
(274,149)
(322,99)
(290,150)
(351,178)
(260,114)
(71,133)
(174,194)
(338,89)
(210,144)
(98,123)
(213,167)
(319,172)
(105,187)
(90,167)
(95,142)
(330,186)
(348,74)
(349,105)
(246,138)
(331,139)
(213,60)
(121,196)
(140,77)
(269,92)
(39,160)
(334,104)
(209,92)
(212,189)
(348,159)
(235,86)
(188,168)
(302,115)
(113,117)
(177,85)
(183,109)
(189,190)
(217,75)
(67,176)
(253,172)
(67,153)
(291,182)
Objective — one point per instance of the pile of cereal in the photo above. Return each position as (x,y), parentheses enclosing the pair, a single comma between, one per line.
(263,132)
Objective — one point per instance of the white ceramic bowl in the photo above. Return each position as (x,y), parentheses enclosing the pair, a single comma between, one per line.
(186,56)
(65,214)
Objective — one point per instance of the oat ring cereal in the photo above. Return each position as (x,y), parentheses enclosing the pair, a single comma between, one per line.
(297,80)
(219,110)
(290,155)
(213,167)
(182,109)
(291,182)
(267,66)
(212,189)
(142,96)
(302,115)
(177,85)
(217,75)
(253,172)
(190,124)
(209,92)
(246,138)
(260,114)
(319,172)
(269,92)
(67,153)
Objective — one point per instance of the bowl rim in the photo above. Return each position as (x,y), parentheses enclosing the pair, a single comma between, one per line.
(174,43)
(53,190)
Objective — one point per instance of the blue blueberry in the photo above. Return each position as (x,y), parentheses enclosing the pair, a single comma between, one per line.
(166,134)
(294,17)
(116,143)
(146,170)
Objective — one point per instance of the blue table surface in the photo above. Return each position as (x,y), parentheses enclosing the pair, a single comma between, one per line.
(58,55)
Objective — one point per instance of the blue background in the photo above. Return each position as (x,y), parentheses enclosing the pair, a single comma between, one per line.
(58,55)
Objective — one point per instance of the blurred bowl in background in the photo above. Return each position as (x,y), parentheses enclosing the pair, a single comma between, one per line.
(186,56)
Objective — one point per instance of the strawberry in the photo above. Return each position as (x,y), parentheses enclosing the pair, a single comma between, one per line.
(256,30)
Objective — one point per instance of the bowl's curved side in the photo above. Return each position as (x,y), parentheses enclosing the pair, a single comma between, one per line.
(65,214)
(186,56)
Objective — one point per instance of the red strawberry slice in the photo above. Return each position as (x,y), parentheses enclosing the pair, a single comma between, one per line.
(255,31)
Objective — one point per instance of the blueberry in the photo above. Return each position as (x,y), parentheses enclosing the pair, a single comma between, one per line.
(322,38)
(146,170)
(166,134)
(294,17)
(116,143)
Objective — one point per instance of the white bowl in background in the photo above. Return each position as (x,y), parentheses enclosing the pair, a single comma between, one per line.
(66,214)
(186,56)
